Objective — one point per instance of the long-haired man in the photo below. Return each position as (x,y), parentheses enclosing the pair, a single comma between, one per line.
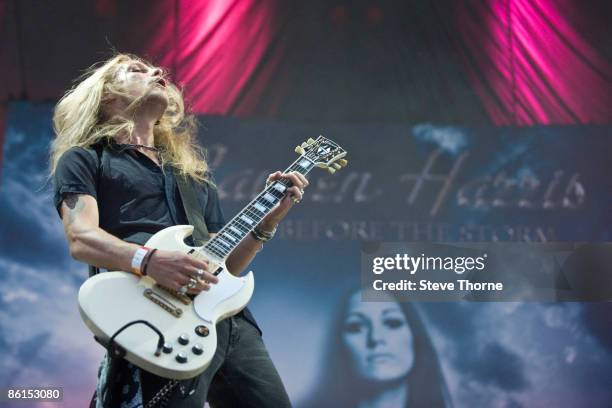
(122,134)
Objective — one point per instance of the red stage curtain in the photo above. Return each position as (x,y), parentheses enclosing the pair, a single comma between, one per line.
(506,62)
(526,59)
(216,50)
(530,65)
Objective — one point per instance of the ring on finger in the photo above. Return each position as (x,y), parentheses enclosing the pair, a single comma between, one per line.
(192,283)
(200,273)
(296,200)
(183,289)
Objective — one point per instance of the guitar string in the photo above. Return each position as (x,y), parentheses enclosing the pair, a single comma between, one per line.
(210,246)
(220,247)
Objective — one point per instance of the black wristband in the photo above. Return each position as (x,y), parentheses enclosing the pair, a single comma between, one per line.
(145,261)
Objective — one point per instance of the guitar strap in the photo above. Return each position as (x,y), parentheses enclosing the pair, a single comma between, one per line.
(94,270)
(192,209)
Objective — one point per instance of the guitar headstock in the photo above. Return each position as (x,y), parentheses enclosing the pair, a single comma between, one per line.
(323,153)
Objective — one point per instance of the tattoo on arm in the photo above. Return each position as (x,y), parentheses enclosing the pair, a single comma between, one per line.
(75,205)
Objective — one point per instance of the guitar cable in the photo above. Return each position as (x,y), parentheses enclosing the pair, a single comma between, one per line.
(116,350)
(160,341)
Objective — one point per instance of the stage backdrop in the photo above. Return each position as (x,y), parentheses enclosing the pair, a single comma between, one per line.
(425,182)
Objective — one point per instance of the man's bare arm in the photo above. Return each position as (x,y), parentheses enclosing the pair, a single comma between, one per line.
(87,241)
(242,255)
(91,244)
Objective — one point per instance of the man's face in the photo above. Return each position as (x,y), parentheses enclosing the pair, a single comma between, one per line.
(139,80)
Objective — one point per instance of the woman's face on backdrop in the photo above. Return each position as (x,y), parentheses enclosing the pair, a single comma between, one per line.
(378,338)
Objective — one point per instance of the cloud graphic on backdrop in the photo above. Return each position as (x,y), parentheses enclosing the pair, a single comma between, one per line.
(39,323)
(28,215)
(449,139)
(597,321)
(484,366)
(522,354)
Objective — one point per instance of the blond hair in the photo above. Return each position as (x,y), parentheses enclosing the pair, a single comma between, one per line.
(80,121)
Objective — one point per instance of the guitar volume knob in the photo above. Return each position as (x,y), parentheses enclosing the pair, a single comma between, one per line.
(167,348)
(181,358)
(183,339)
(197,349)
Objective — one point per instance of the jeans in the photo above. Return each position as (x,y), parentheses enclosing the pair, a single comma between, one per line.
(241,374)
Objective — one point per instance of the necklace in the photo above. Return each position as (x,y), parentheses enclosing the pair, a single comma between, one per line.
(136,146)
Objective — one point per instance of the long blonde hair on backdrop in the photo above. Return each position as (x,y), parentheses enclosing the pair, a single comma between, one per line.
(79,121)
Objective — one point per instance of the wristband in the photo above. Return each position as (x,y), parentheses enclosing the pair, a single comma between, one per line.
(257,236)
(137,259)
(261,235)
(145,261)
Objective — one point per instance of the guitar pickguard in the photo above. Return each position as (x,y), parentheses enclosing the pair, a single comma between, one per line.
(207,306)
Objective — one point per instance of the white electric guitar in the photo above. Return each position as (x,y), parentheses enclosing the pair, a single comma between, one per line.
(165,332)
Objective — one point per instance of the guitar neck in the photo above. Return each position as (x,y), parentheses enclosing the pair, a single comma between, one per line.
(246,220)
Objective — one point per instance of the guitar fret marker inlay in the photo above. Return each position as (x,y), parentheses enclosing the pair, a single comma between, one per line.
(221,243)
(246,219)
(305,163)
(259,207)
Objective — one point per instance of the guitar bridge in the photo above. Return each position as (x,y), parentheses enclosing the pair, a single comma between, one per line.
(184,299)
(162,302)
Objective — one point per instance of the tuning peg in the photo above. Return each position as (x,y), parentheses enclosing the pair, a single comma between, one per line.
(304,145)
(310,141)
(300,150)
(336,166)
(331,170)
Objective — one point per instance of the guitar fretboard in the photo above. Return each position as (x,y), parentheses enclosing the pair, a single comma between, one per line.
(246,220)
